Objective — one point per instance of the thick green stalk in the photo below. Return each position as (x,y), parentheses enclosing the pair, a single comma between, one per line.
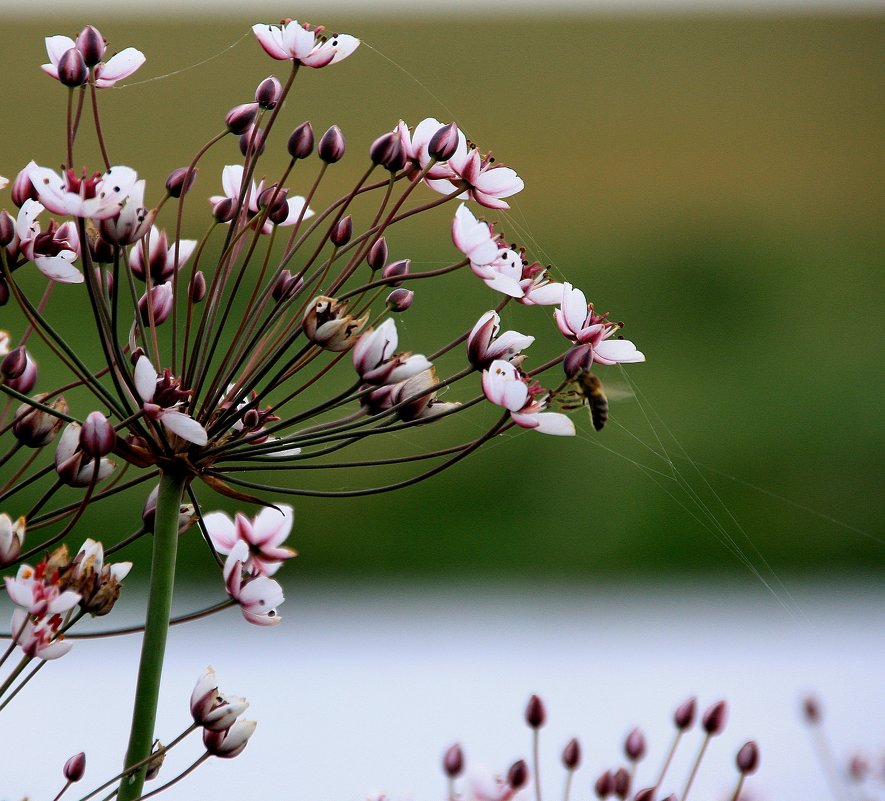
(153,646)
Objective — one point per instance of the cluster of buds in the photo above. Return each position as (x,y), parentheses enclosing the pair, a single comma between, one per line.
(617,783)
(224,734)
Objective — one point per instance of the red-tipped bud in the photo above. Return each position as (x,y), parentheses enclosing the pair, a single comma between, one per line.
(621,783)
(684,715)
(180,181)
(453,761)
(253,141)
(571,754)
(811,709)
(14,363)
(715,717)
(342,231)
(197,289)
(92,45)
(648,794)
(240,118)
(387,152)
(23,188)
(268,92)
(748,758)
(224,210)
(97,436)
(444,142)
(7,228)
(75,767)
(400,300)
(377,256)
(605,785)
(331,146)
(300,144)
(634,745)
(518,775)
(160,308)
(396,269)
(72,69)
(535,714)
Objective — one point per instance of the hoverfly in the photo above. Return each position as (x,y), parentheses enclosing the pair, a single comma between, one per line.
(586,390)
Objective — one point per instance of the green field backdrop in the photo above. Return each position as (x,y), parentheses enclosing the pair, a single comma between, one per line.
(715,182)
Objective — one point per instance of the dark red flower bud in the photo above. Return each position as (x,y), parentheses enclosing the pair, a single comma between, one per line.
(75,767)
(377,256)
(7,228)
(101,250)
(240,118)
(648,794)
(286,286)
(300,144)
(571,754)
(444,142)
(518,775)
(684,715)
(274,197)
(253,141)
(605,785)
(748,758)
(396,269)
(453,761)
(197,289)
(400,300)
(4,291)
(23,187)
(634,745)
(268,93)
(715,717)
(161,302)
(387,151)
(622,783)
(72,69)
(14,363)
(224,209)
(180,181)
(577,359)
(811,709)
(97,436)
(535,714)
(331,146)
(92,45)
(342,231)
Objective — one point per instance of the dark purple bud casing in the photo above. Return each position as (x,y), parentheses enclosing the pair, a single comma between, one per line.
(268,92)
(342,231)
(453,761)
(377,256)
(7,228)
(75,767)
(444,142)
(387,152)
(197,287)
(621,783)
(684,715)
(331,146)
(715,718)
(97,435)
(605,785)
(535,714)
(518,775)
(92,45)
(300,144)
(647,794)
(400,300)
(240,118)
(180,181)
(14,363)
(72,69)
(748,758)
(571,754)
(634,745)
(396,269)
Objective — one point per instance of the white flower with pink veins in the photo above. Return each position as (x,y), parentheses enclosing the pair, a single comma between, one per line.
(294,41)
(578,322)
(375,359)
(53,251)
(96,197)
(505,385)
(34,594)
(263,537)
(107,73)
(179,423)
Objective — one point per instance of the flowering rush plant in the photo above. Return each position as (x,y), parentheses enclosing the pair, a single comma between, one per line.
(230,363)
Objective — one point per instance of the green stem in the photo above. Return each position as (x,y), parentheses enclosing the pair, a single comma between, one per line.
(153,646)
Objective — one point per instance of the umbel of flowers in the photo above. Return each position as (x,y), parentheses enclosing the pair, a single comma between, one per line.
(266,346)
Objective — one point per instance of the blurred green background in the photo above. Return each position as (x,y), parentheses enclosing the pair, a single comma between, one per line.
(714,181)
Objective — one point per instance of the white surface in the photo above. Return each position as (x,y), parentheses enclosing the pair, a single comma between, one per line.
(364,689)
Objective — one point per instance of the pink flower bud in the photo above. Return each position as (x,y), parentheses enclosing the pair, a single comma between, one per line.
(14,363)
(535,714)
(72,69)
(180,181)
(23,187)
(230,743)
(634,746)
(92,45)
(285,286)
(268,93)
(331,146)
(377,255)
(605,785)
(224,209)
(577,360)
(683,717)
(453,761)
(197,289)
(160,305)
(715,717)
(342,231)
(396,269)
(26,378)
(621,783)
(444,142)
(387,151)
(518,775)
(748,758)
(7,228)
(75,767)
(252,141)
(239,118)
(97,436)
(571,754)
(300,144)
(400,300)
